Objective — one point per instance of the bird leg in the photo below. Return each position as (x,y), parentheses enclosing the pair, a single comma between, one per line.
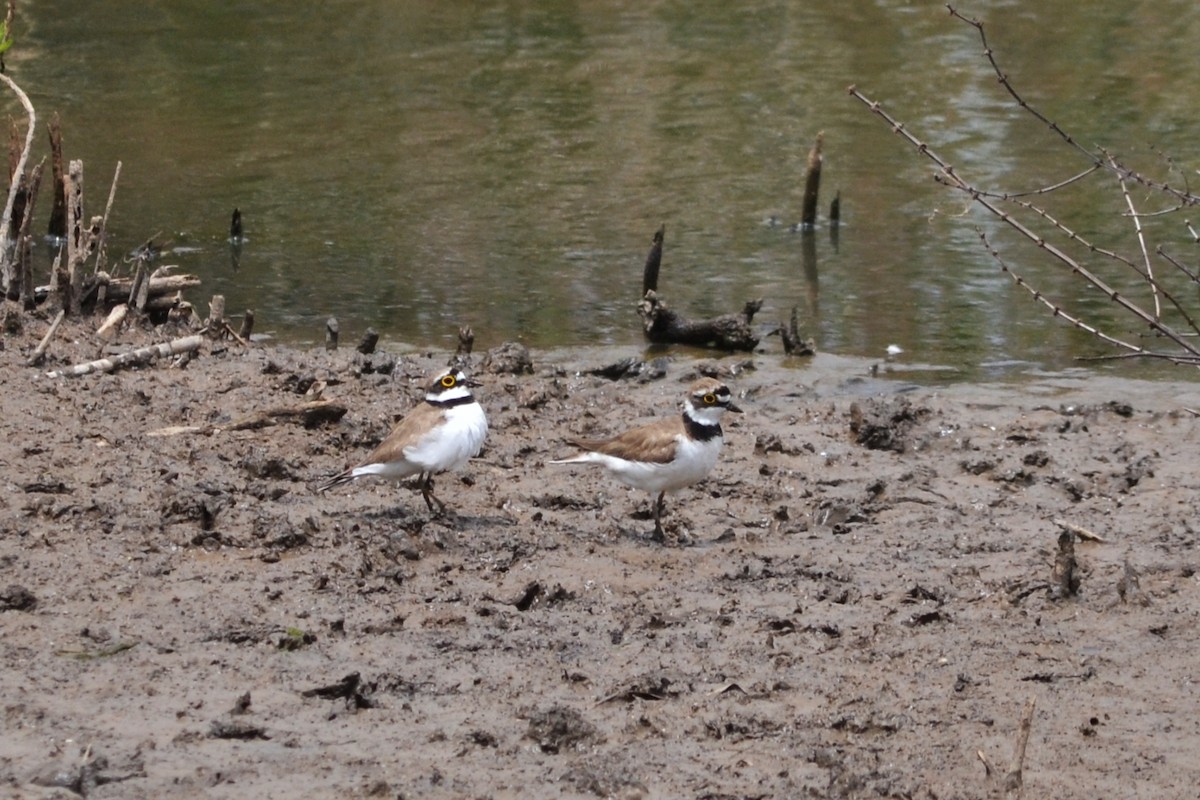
(427,493)
(658,509)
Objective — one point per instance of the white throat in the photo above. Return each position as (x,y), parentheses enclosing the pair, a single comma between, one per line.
(704,416)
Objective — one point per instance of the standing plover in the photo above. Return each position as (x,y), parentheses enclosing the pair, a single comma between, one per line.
(441,433)
(669,454)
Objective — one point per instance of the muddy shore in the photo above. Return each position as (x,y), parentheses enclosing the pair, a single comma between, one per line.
(860,601)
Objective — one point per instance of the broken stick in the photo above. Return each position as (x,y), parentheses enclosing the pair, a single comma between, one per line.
(1014,779)
(113,321)
(310,415)
(215,326)
(187,344)
(40,351)
(1078,530)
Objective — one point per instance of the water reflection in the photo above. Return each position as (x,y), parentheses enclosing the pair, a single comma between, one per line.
(420,165)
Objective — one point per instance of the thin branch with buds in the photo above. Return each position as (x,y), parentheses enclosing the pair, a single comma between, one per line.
(998,204)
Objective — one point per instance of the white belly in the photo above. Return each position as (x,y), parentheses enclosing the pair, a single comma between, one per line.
(693,461)
(454,443)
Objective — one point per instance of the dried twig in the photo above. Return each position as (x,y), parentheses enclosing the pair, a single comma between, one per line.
(1141,238)
(310,415)
(113,321)
(39,352)
(1081,532)
(23,254)
(1014,779)
(187,344)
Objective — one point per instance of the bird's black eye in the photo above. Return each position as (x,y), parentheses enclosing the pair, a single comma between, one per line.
(710,399)
(448,381)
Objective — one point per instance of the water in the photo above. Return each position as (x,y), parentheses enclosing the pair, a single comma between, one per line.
(415,166)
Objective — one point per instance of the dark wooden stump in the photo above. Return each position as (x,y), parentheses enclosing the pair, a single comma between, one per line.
(726,332)
(664,326)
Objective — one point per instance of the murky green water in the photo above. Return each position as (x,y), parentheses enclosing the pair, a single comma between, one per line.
(417,165)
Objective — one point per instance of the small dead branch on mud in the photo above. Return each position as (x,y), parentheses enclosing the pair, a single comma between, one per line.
(662,325)
(726,332)
(356,692)
(310,415)
(1014,777)
(39,352)
(112,322)
(370,339)
(142,355)
(1035,223)
(331,333)
(1129,587)
(1083,533)
(101,237)
(57,226)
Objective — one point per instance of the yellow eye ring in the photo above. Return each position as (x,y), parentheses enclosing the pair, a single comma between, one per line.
(710,399)
(448,381)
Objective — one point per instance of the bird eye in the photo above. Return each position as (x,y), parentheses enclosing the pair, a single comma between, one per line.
(710,399)
(448,381)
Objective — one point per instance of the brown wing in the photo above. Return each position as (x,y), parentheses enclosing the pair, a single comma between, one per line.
(407,432)
(654,443)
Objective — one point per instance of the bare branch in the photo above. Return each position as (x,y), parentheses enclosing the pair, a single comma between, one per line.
(1044,189)
(996,204)
(1141,237)
(6,249)
(1192,276)
(1184,197)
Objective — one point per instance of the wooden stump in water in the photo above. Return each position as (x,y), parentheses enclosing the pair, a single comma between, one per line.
(726,332)
(662,325)
(793,345)
(812,185)
(247,325)
(653,261)
(58,213)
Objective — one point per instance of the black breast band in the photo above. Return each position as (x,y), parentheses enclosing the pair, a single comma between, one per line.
(698,430)
(452,402)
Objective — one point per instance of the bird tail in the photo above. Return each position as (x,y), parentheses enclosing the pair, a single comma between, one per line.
(586,445)
(578,458)
(336,480)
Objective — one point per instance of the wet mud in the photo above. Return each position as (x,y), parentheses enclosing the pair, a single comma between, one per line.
(860,601)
